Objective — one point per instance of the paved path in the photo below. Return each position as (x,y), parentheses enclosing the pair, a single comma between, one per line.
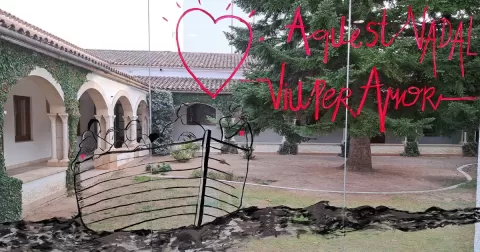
(459,169)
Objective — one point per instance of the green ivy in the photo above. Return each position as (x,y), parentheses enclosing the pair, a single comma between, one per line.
(470,147)
(11,199)
(17,62)
(288,148)
(221,102)
(411,148)
(162,114)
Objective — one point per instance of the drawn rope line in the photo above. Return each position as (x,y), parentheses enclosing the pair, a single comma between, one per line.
(221,182)
(127,185)
(231,195)
(116,151)
(147,211)
(208,196)
(122,159)
(118,196)
(138,202)
(134,175)
(215,169)
(157,218)
(214,207)
(131,167)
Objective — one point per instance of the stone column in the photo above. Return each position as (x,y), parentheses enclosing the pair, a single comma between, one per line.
(133,131)
(99,129)
(232,123)
(109,119)
(64,118)
(126,132)
(53,128)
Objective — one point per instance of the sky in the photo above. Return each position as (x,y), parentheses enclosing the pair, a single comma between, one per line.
(102,24)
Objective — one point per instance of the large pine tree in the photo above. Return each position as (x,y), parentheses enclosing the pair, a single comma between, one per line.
(396,65)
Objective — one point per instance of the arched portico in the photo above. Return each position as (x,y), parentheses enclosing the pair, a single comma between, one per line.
(141,128)
(35,122)
(123,112)
(93,105)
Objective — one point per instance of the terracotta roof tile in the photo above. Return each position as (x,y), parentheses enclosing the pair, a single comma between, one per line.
(185,83)
(170,59)
(16,24)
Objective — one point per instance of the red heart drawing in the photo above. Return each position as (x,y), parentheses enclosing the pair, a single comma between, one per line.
(83,156)
(215,21)
(242,132)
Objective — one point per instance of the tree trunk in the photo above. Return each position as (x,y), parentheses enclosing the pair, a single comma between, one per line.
(360,155)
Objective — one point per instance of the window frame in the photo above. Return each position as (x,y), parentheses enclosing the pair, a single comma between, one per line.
(28,111)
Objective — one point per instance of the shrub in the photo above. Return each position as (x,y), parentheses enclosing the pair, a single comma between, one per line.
(163,168)
(247,153)
(470,149)
(288,148)
(411,150)
(227,149)
(148,168)
(214,175)
(11,198)
(185,152)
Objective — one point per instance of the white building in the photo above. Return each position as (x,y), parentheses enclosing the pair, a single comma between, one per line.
(50,84)
(167,72)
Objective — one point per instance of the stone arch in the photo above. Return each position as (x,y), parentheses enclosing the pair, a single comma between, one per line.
(49,87)
(124,98)
(142,113)
(97,94)
(218,112)
(44,133)
(141,101)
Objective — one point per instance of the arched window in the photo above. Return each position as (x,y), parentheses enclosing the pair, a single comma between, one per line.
(200,113)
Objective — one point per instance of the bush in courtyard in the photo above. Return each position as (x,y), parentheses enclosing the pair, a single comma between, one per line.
(214,175)
(163,168)
(162,114)
(411,148)
(288,148)
(148,168)
(470,149)
(185,152)
(227,149)
(248,153)
(10,198)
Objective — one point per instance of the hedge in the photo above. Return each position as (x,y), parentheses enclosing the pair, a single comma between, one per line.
(11,198)
(162,114)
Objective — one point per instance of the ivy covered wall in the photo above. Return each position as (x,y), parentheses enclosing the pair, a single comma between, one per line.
(17,62)
(162,114)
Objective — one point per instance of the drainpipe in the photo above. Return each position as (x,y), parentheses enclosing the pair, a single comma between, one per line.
(21,40)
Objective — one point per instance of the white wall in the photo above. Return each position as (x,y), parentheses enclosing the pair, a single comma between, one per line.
(111,88)
(40,147)
(86,111)
(180,72)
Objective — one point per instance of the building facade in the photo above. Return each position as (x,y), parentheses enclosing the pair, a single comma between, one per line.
(167,72)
